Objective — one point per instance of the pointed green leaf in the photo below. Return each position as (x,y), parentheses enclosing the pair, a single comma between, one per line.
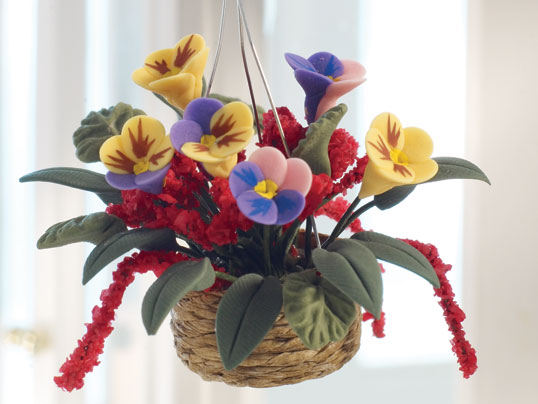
(77,178)
(98,126)
(117,245)
(456,168)
(171,286)
(353,269)
(314,148)
(245,315)
(316,310)
(399,253)
(393,196)
(92,228)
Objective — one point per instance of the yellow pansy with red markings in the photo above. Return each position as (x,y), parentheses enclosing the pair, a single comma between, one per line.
(213,133)
(175,73)
(139,157)
(396,156)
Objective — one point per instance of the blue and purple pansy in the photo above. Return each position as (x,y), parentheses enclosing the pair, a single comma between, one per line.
(324,78)
(270,189)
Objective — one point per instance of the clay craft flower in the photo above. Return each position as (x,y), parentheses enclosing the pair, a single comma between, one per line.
(269,188)
(213,133)
(397,156)
(139,157)
(324,78)
(175,73)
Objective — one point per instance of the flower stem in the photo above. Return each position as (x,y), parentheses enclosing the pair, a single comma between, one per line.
(267,249)
(341,225)
(177,110)
(225,276)
(308,243)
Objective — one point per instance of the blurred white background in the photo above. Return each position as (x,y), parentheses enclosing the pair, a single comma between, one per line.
(465,71)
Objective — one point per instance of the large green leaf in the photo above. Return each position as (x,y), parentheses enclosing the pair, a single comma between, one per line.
(449,168)
(314,148)
(245,315)
(117,245)
(399,253)
(77,178)
(98,126)
(456,168)
(92,228)
(316,310)
(353,269)
(171,286)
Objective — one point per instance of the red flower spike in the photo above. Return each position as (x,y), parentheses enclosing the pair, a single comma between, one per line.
(342,152)
(85,356)
(378,325)
(454,315)
(335,209)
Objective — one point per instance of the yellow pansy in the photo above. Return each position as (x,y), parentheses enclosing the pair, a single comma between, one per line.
(175,73)
(397,156)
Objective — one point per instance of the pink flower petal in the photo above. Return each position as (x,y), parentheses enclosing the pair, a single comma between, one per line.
(353,71)
(272,163)
(298,176)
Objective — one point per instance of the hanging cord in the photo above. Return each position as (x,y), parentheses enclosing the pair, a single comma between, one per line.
(243,17)
(217,54)
(247,74)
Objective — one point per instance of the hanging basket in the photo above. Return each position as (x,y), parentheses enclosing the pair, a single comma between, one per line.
(280,359)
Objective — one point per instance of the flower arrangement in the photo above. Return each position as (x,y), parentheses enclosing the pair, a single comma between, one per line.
(208,214)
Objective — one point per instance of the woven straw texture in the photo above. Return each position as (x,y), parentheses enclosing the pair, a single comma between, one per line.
(280,359)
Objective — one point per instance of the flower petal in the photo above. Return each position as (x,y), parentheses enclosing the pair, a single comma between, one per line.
(271,162)
(160,63)
(178,89)
(113,156)
(200,152)
(390,128)
(257,208)
(232,127)
(152,181)
(233,142)
(298,176)
(201,110)
(424,170)
(418,145)
(373,183)
(185,131)
(161,154)
(244,177)
(298,62)
(334,91)
(314,85)
(290,204)
(353,71)
(378,149)
(121,181)
(327,64)
(222,169)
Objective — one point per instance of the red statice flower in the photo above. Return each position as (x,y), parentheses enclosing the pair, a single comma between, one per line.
(85,356)
(378,325)
(352,177)
(322,186)
(335,209)
(293,131)
(342,152)
(454,315)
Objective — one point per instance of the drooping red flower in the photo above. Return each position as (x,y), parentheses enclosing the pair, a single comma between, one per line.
(86,355)
(378,325)
(351,178)
(454,315)
(335,209)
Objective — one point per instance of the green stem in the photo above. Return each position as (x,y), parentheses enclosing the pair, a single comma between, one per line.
(340,226)
(267,249)
(178,111)
(209,201)
(225,276)
(308,242)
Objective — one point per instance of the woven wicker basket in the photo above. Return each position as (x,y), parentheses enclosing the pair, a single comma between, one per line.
(280,359)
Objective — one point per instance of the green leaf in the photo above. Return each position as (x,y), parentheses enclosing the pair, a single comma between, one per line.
(226,100)
(114,247)
(245,315)
(393,196)
(399,253)
(456,168)
(77,178)
(92,228)
(316,310)
(353,269)
(171,286)
(314,148)
(98,126)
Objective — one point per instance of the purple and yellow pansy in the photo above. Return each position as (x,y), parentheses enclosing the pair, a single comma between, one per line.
(139,157)
(397,156)
(270,189)
(324,78)
(213,133)
(175,73)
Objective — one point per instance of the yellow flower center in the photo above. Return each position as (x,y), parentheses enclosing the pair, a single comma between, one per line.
(141,167)
(208,140)
(333,78)
(399,157)
(266,188)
